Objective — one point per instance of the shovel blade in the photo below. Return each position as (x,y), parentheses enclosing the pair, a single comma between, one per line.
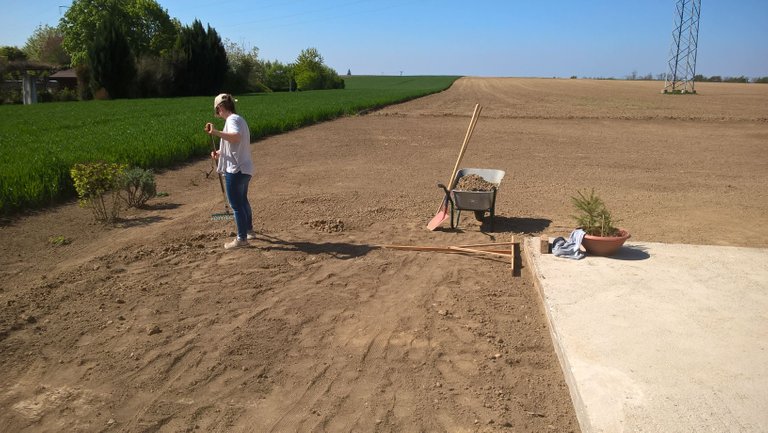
(440,217)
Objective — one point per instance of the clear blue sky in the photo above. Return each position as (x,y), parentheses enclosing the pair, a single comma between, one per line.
(598,38)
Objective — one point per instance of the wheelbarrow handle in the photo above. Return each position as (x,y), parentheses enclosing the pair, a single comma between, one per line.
(440,185)
(447,193)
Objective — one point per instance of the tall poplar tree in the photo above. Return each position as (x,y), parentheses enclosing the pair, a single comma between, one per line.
(111,61)
(201,61)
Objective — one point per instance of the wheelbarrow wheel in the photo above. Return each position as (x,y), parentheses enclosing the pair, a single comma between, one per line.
(480,215)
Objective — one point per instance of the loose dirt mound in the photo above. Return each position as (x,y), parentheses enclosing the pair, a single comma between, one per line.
(328,226)
(152,326)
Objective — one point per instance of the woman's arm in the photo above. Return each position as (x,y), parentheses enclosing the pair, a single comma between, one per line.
(232,137)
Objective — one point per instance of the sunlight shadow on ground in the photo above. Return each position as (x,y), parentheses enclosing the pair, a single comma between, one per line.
(632,252)
(503,224)
(339,250)
(161,206)
(141,221)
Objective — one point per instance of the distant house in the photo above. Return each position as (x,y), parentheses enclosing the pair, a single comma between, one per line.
(66,79)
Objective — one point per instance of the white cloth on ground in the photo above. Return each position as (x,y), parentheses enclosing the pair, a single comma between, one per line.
(570,248)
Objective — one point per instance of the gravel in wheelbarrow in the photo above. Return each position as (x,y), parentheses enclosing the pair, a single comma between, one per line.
(473,182)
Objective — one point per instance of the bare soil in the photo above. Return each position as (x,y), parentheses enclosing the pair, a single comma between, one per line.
(150,326)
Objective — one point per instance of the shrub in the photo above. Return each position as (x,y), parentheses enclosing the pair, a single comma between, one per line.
(94,182)
(65,94)
(44,96)
(11,96)
(139,186)
(59,240)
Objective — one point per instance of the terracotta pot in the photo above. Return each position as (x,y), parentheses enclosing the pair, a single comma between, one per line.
(604,245)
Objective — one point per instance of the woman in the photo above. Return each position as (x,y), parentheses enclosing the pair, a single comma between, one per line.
(235,164)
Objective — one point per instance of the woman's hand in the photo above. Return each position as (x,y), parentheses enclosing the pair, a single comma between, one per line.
(232,137)
(215,155)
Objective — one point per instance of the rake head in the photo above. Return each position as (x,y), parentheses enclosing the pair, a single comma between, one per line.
(222,217)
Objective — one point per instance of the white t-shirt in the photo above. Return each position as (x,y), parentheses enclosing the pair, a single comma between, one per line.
(234,157)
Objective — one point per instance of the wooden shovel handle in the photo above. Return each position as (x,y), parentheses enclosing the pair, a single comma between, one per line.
(470,129)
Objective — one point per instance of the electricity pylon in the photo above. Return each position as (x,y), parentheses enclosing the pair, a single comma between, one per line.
(682,56)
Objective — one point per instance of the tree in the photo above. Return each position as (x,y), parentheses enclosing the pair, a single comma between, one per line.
(8,56)
(45,45)
(246,73)
(308,69)
(12,54)
(739,79)
(159,30)
(312,74)
(111,61)
(200,60)
(278,76)
(154,77)
(331,79)
(152,31)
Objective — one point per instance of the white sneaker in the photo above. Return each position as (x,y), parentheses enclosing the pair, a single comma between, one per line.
(251,235)
(237,243)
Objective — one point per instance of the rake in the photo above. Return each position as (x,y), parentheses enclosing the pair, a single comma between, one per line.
(227,215)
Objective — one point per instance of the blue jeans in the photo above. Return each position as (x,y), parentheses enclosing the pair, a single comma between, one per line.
(237,193)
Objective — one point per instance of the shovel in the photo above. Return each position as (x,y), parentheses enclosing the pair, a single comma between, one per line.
(442,214)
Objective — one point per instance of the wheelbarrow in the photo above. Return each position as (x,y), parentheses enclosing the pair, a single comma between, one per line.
(479,202)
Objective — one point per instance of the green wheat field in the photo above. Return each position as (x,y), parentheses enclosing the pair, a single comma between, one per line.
(39,143)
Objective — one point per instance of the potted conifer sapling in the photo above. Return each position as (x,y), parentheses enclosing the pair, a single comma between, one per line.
(602,237)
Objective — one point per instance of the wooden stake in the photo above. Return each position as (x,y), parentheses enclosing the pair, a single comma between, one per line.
(544,244)
(512,253)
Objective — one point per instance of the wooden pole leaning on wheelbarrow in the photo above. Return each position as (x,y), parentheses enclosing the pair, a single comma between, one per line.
(442,212)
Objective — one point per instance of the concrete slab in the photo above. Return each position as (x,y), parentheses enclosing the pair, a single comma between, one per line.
(661,338)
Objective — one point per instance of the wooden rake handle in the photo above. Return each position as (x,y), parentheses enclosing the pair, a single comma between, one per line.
(467,136)
(221,182)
